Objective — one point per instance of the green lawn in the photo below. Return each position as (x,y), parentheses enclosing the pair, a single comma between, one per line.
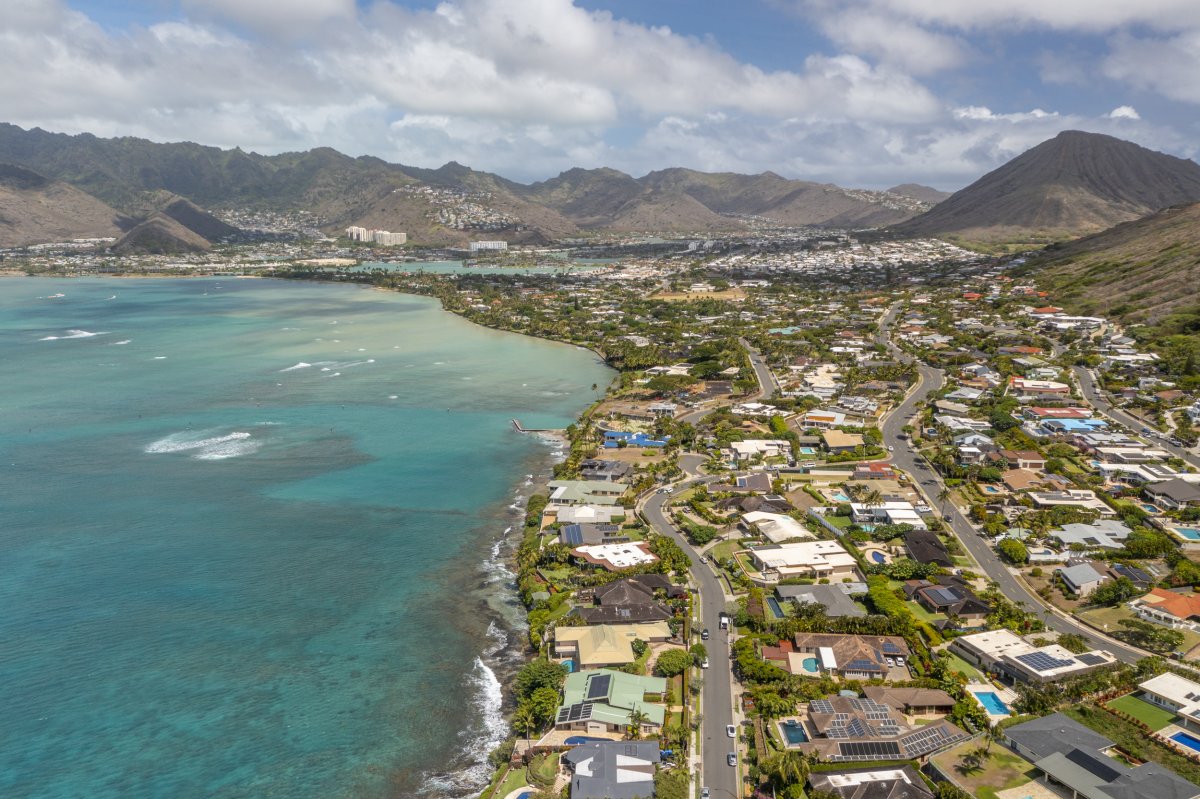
(840,522)
(960,665)
(1110,619)
(1153,715)
(544,769)
(923,614)
(516,778)
(725,549)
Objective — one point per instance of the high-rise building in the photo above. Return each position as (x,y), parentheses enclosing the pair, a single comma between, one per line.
(384,237)
(499,246)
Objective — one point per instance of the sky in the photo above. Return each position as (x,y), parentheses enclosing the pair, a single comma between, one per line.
(862,93)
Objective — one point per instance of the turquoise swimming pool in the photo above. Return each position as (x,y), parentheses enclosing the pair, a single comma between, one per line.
(793,732)
(1190,741)
(992,703)
(1190,533)
(810,665)
(840,496)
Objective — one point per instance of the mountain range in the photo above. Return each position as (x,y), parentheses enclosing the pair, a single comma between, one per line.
(448,205)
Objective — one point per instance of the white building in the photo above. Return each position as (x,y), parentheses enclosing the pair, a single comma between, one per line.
(384,237)
(765,448)
(817,559)
(498,246)
(1179,695)
(777,527)
(1010,655)
(898,512)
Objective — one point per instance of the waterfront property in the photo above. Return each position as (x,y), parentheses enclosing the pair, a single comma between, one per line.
(603,700)
(612,769)
(606,644)
(626,601)
(615,557)
(1013,658)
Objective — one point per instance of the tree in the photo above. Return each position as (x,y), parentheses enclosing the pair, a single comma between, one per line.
(544,702)
(1113,592)
(1013,550)
(672,784)
(540,673)
(525,720)
(699,653)
(673,662)
(638,646)
(1150,636)
(637,717)
(1073,642)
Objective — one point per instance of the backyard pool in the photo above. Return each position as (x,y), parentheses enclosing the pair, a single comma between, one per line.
(810,665)
(808,451)
(569,665)
(1190,533)
(793,732)
(990,489)
(1146,506)
(839,496)
(992,703)
(575,740)
(878,556)
(1190,741)
(773,603)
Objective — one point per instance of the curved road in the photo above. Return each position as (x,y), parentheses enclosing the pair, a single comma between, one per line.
(930,484)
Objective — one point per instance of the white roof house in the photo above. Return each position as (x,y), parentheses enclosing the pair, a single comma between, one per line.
(1005,651)
(1178,694)
(766,448)
(805,559)
(777,527)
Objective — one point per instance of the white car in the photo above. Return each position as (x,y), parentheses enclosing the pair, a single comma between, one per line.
(731,730)
(891,448)
(923,509)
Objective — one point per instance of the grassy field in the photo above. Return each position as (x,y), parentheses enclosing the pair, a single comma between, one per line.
(1113,616)
(999,770)
(724,550)
(960,665)
(1134,741)
(1153,715)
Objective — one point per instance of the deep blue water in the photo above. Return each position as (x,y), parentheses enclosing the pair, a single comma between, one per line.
(227,574)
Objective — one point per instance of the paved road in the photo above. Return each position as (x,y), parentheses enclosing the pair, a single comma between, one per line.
(717,696)
(931,485)
(766,381)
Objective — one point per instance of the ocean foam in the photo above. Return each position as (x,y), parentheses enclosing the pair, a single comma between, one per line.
(300,365)
(119,343)
(204,446)
(72,334)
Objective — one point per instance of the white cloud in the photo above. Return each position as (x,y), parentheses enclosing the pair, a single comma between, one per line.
(894,41)
(1167,65)
(1124,112)
(1080,15)
(287,17)
(981,112)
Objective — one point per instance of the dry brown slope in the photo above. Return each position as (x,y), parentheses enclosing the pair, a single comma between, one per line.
(1140,271)
(36,210)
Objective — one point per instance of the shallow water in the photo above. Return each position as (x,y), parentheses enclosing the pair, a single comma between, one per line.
(248,532)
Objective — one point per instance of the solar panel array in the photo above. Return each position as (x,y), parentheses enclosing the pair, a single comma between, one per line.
(890,648)
(1040,661)
(598,686)
(1090,659)
(820,706)
(869,750)
(866,705)
(922,742)
(580,711)
(572,535)
(862,664)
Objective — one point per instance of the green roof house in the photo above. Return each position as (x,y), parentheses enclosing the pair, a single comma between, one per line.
(602,700)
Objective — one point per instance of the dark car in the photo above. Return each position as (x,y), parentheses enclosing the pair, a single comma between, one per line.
(704,634)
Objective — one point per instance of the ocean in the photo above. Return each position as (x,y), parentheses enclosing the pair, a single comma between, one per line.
(252,536)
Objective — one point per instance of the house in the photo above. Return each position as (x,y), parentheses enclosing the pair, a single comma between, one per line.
(853,729)
(627,601)
(836,441)
(1177,694)
(776,527)
(758,482)
(615,557)
(593,469)
(1075,498)
(1027,390)
(924,546)
(1020,479)
(911,701)
(586,492)
(816,559)
(1015,659)
(614,439)
(573,535)
(1024,459)
(586,514)
(612,769)
(603,700)
(1173,494)
(1101,534)
(873,470)
(602,645)
(1081,579)
(759,448)
(855,657)
(871,783)
(1139,577)
(1180,611)
(951,408)
(835,598)
(889,512)
(951,596)
(1075,758)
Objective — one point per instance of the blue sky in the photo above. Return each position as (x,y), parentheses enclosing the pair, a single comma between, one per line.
(859,92)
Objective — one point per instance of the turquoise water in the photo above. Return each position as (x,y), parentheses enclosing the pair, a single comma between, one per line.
(1190,741)
(811,665)
(992,703)
(1190,533)
(794,733)
(249,533)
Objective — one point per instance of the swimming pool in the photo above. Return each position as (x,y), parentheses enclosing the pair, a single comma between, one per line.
(810,665)
(793,732)
(992,703)
(808,451)
(878,556)
(1190,533)
(840,496)
(582,739)
(1190,741)
(990,489)
(525,795)
(1146,506)
(569,665)
(775,608)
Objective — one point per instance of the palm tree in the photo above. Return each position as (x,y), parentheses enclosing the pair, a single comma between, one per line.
(525,720)
(873,498)
(637,717)
(943,496)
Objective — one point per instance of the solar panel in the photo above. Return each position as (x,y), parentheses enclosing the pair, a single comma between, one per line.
(891,648)
(1040,661)
(820,706)
(837,732)
(869,750)
(876,715)
(598,686)
(572,535)
(862,664)
(858,729)
(1090,659)
(840,717)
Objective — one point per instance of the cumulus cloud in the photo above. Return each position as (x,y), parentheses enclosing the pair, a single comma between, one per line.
(1124,112)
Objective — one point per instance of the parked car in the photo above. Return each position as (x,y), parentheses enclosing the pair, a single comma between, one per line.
(731,758)
(704,794)
(891,448)
(891,661)
(900,661)
(731,730)
(924,509)
(704,663)
(704,634)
